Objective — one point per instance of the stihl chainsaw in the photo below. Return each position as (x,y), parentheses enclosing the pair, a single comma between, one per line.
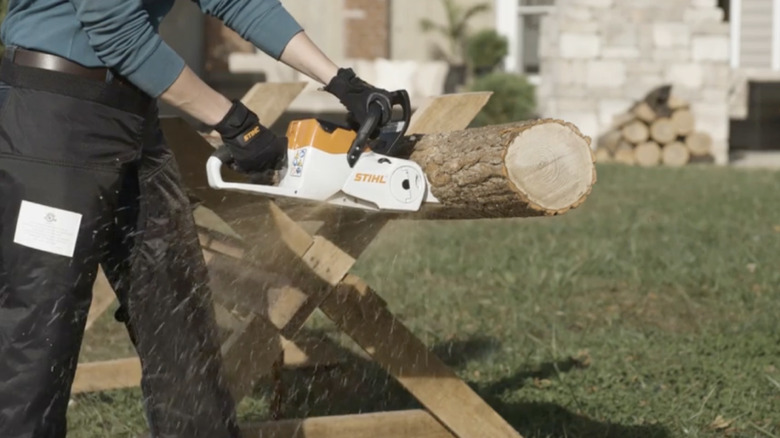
(330,163)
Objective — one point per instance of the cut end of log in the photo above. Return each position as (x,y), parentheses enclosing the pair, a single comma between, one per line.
(675,155)
(648,154)
(551,165)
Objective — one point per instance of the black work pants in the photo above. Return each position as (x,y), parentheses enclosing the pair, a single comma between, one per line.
(87,180)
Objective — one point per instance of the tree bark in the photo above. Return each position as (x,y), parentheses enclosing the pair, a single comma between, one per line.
(535,168)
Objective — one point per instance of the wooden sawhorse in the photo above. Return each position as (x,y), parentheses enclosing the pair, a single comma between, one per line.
(298,259)
(317,247)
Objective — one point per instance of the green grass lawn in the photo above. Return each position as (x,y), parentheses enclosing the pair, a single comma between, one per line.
(651,311)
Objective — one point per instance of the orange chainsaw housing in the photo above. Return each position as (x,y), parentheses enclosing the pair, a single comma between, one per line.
(322,136)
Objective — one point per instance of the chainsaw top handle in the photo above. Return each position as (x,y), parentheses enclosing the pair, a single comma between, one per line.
(378,116)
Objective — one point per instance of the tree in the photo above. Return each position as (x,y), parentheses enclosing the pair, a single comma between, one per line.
(455,30)
(485,51)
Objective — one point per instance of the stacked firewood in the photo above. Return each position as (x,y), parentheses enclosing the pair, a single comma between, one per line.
(658,130)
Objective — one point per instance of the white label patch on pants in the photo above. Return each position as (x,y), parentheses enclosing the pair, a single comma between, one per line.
(47,228)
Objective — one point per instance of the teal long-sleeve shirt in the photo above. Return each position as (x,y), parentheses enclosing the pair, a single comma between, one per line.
(123,34)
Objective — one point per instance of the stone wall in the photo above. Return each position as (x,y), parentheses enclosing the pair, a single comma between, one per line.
(599,56)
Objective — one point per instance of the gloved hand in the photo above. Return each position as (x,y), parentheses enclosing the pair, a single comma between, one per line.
(356,94)
(252,147)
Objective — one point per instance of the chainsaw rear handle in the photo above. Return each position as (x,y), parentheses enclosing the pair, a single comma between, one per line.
(223,154)
(373,119)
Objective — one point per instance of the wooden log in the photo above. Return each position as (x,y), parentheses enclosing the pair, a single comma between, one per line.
(636,132)
(625,154)
(699,144)
(663,131)
(676,103)
(675,154)
(683,122)
(648,154)
(603,155)
(645,113)
(543,167)
(621,120)
(610,141)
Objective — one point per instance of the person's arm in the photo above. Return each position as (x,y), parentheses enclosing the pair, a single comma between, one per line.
(124,39)
(303,55)
(189,93)
(269,27)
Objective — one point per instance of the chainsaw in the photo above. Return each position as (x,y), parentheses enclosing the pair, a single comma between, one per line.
(331,163)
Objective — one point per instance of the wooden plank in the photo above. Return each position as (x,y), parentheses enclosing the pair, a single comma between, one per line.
(297,239)
(207,219)
(451,112)
(126,372)
(249,354)
(246,288)
(107,375)
(102,297)
(359,313)
(269,100)
(394,424)
(309,352)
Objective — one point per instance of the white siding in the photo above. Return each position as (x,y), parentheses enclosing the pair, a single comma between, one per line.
(756,34)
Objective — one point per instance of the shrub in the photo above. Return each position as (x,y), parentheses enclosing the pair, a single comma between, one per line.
(485,50)
(513,98)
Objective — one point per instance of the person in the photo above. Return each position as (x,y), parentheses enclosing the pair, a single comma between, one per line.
(87,181)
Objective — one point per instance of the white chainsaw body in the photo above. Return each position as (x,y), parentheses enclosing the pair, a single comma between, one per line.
(376,182)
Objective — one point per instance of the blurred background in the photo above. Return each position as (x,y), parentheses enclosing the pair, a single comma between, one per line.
(585,61)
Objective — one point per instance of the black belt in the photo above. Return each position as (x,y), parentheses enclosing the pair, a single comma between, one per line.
(47,61)
(43,71)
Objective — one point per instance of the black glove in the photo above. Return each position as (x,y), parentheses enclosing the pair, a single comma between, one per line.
(252,147)
(355,94)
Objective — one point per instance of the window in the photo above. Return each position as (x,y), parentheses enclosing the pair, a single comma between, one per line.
(519,21)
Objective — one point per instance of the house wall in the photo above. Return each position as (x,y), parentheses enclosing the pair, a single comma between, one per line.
(407,39)
(756,34)
(183,30)
(601,56)
(366,25)
(323,21)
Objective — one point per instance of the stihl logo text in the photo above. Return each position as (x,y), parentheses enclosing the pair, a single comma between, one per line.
(251,134)
(369,178)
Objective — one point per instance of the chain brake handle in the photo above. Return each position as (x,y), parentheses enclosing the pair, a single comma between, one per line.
(373,121)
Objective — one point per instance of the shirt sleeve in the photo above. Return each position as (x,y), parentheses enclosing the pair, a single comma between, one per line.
(124,38)
(264,23)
